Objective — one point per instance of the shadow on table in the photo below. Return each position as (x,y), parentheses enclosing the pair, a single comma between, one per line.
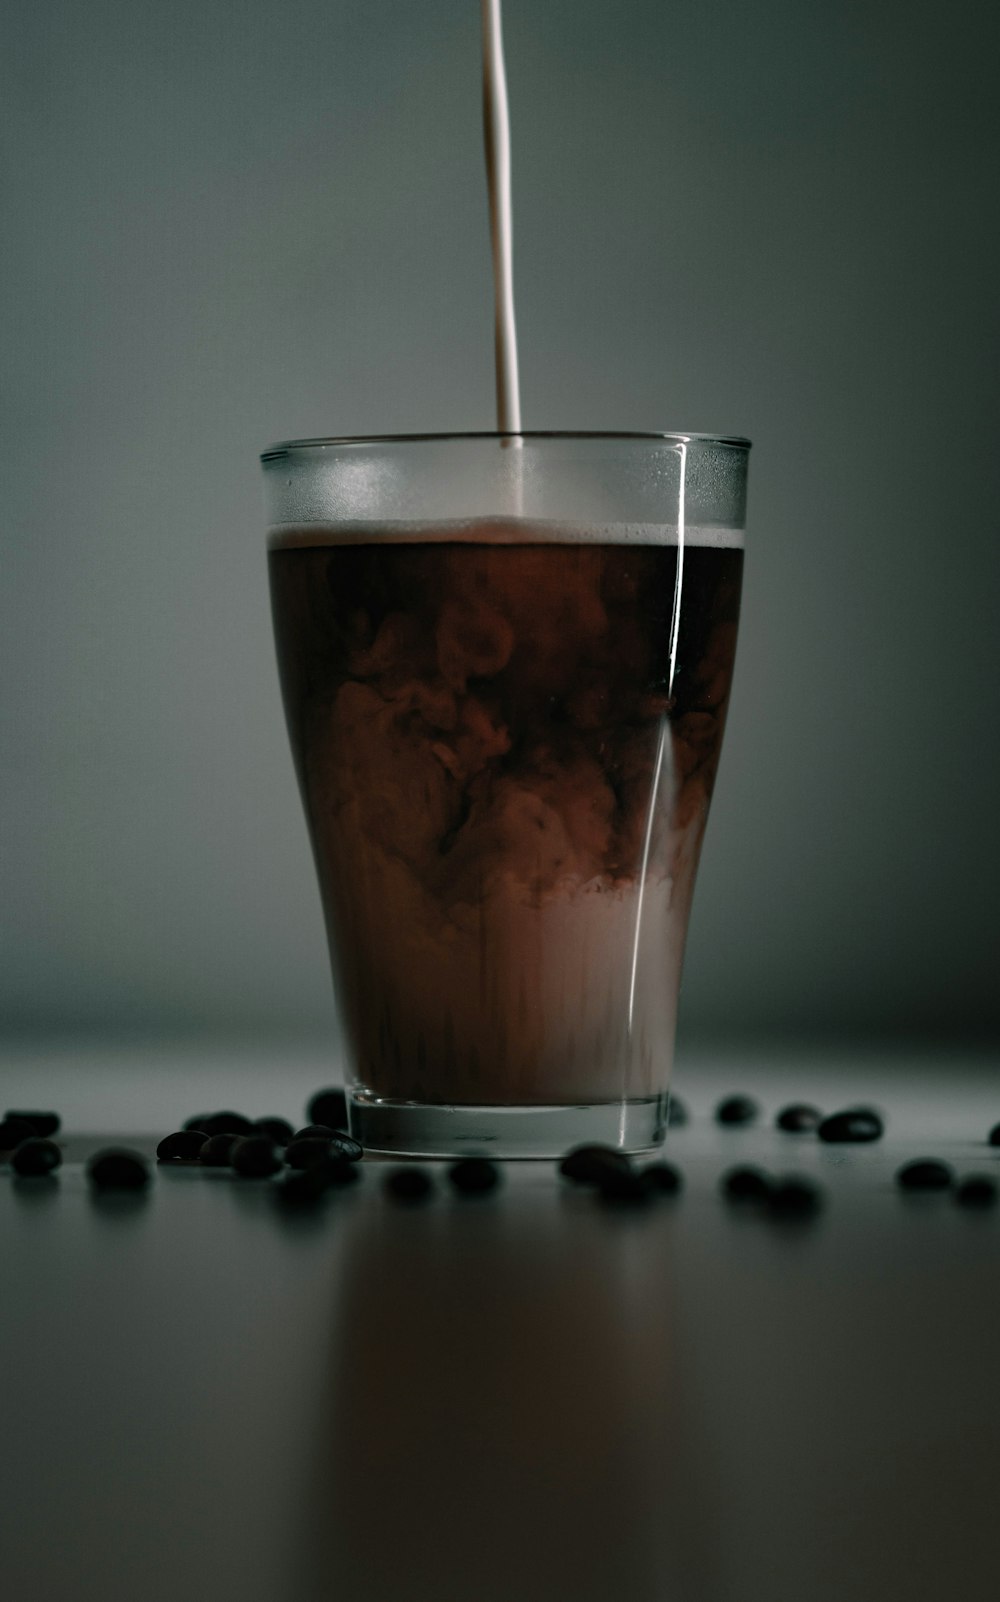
(510,1412)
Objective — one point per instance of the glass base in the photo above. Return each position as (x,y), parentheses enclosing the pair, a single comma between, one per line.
(416,1129)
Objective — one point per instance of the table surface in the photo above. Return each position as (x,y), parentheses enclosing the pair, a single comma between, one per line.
(519,1397)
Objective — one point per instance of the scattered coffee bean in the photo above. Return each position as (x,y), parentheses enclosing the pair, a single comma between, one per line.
(995,1135)
(328,1107)
(255,1157)
(623,1187)
(745,1184)
(342,1145)
(677,1113)
(799,1118)
(36,1156)
(14,1130)
(183,1146)
(977,1190)
(794,1196)
(199,1121)
(853,1125)
(279,1129)
(474,1176)
(228,1123)
(217,1150)
(43,1123)
(308,1152)
(926,1173)
(662,1179)
(116,1168)
(735,1110)
(306,1133)
(587,1165)
(408,1184)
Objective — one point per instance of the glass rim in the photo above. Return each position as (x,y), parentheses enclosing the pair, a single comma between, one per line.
(289,447)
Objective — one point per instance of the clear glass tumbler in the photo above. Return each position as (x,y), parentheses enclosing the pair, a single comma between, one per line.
(506,663)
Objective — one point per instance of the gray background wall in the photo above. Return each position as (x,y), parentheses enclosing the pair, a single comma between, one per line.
(227,222)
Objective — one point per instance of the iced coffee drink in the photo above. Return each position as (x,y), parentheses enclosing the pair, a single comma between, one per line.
(506,734)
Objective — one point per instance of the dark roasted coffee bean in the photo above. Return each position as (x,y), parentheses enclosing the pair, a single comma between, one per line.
(735,1110)
(14,1130)
(116,1168)
(43,1123)
(623,1187)
(36,1156)
(977,1190)
(184,1146)
(854,1125)
(995,1135)
(217,1150)
(745,1184)
(794,1196)
(661,1179)
(474,1176)
(408,1184)
(328,1107)
(228,1123)
(255,1157)
(677,1113)
(199,1121)
(307,1153)
(926,1173)
(342,1145)
(587,1165)
(326,1131)
(279,1129)
(799,1118)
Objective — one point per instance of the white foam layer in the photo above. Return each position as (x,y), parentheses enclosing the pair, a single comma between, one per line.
(500,531)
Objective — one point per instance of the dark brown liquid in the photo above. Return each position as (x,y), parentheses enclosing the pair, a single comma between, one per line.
(479,730)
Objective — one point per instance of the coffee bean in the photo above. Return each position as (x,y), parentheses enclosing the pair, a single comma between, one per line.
(995,1135)
(255,1157)
(794,1196)
(229,1123)
(977,1190)
(342,1145)
(661,1179)
(278,1129)
(308,1152)
(13,1131)
(799,1118)
(183,1146)
(623,1187)
(677,1113)
(474,1176)
(408,1184)
(199,1121)
(926,1173)
(306,1133)
(328,1107)
(116,1168)
(587,1165)
(737,1110)
(36,1156)
(745,1184)
(853,1125)
(43,1123)
(217,1150)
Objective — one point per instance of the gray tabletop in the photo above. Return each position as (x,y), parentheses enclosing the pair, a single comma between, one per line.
(525,1396)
